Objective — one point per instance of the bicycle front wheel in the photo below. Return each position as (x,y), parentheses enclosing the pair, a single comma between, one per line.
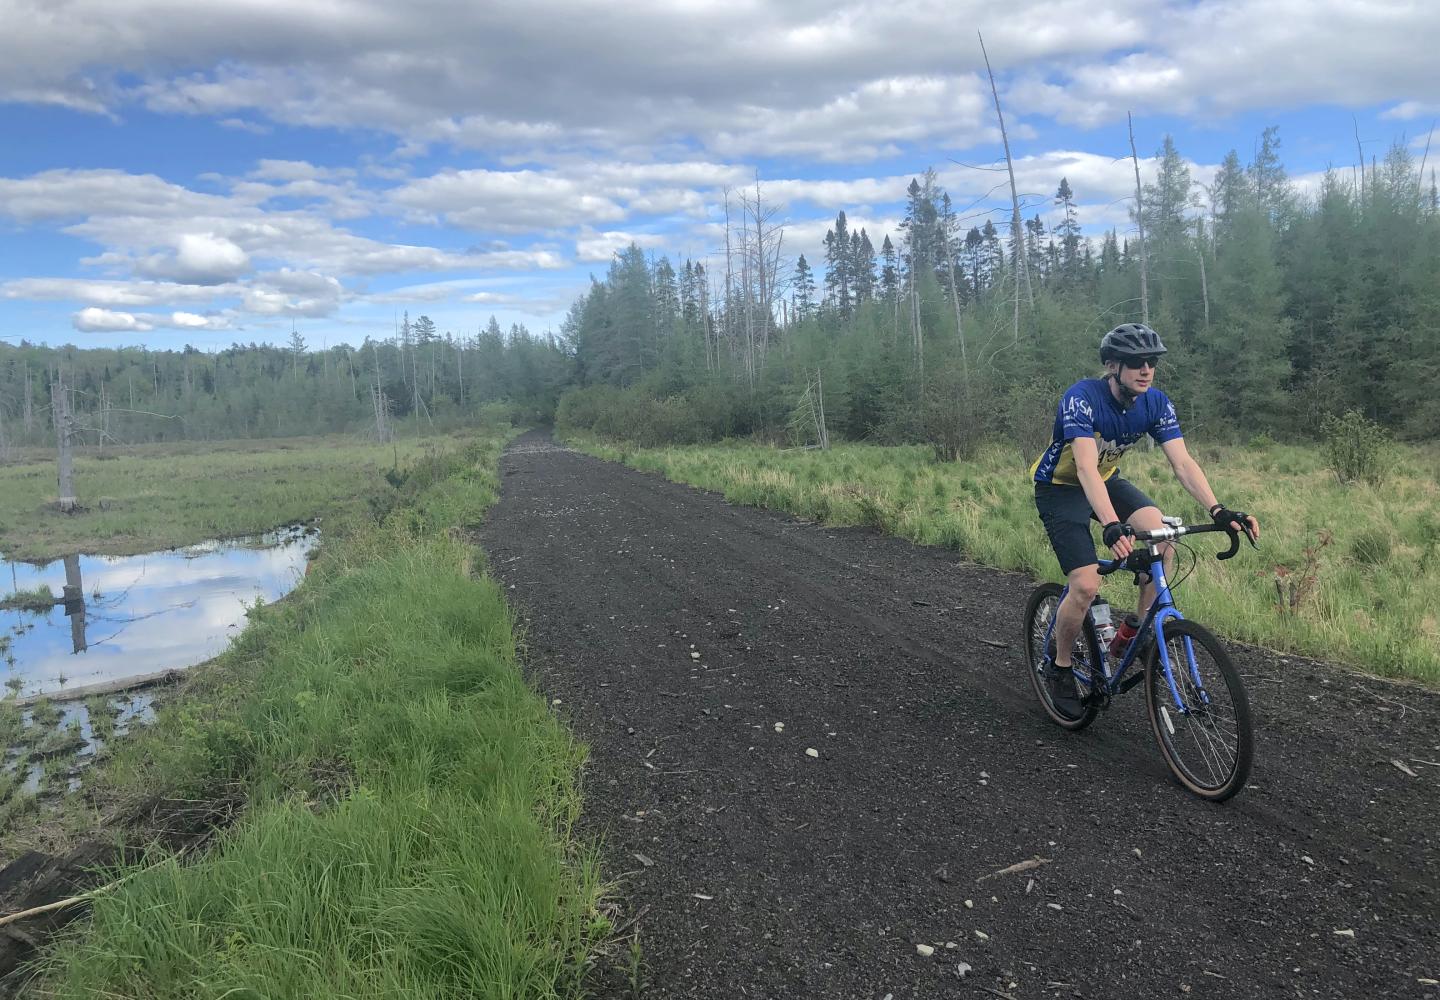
(1205,736)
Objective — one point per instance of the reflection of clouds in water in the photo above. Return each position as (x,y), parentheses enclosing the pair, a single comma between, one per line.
(157,611)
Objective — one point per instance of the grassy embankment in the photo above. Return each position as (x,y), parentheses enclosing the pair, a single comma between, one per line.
(159,496)
(408,799)
(1366,597)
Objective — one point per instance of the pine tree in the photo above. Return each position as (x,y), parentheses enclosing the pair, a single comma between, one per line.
(889,271)
(1068,230)
(862,263)
(804,285)
(838,290)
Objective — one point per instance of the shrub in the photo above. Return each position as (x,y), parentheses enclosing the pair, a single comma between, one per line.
(951,422)
(1356,448)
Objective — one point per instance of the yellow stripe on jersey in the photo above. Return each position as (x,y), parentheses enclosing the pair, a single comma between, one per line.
(1065,472)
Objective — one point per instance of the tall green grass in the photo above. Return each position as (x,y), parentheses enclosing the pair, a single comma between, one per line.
(409,800)
(1366,597)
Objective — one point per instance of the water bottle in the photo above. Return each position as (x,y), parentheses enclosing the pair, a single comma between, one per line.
(1100,615)
(1129,625)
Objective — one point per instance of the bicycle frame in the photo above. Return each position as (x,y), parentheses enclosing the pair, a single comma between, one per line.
(1161,611)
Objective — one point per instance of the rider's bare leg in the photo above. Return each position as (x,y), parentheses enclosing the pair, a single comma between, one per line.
(1084,584)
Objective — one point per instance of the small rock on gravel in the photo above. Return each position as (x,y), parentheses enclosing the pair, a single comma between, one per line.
(924,950)
(811,752)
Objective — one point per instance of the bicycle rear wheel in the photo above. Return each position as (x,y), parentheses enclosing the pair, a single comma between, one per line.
(1208,743)
(1039,614)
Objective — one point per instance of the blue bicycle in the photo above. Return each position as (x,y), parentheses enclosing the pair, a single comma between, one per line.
(1198,709)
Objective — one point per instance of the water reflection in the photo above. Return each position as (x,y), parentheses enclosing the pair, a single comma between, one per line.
(142,614)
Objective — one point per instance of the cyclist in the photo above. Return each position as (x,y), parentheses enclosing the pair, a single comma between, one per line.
(1097,421)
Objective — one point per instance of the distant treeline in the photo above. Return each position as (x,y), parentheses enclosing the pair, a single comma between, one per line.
(133,395)
(1278,307)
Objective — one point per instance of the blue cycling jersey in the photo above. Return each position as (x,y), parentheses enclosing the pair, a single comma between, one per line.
(1090,409)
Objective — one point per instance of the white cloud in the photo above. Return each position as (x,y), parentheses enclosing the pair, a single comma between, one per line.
(95,320)
(506,201)
(837,80)
(592,246)
(199,259)
(109,293)
(194,321)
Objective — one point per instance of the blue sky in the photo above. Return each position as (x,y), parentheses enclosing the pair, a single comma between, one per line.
(176,174)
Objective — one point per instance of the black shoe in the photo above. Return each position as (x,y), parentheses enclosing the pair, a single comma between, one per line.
(1063,693)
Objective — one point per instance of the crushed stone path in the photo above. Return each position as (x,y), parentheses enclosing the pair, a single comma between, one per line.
(704,650)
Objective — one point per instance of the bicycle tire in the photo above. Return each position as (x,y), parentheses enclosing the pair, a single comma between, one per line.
(1202,759)
(1042,597)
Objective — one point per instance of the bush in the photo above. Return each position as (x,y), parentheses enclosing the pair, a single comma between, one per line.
(1356,448)
(951,422)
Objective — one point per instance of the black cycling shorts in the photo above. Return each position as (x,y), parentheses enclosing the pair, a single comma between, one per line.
(1067,516)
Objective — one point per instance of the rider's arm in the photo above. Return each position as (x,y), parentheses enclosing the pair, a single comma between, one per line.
(1192,477)
(1188,471)
(1087,469)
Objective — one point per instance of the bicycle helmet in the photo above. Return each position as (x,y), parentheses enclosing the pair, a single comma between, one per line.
(1130,340)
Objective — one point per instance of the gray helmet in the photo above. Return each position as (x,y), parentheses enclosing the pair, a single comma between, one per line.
(1130,340)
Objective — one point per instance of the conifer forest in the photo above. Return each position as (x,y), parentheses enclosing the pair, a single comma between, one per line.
(1280,304)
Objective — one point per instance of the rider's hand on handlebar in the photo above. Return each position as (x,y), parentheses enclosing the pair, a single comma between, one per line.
(1118,537)
(1236,521)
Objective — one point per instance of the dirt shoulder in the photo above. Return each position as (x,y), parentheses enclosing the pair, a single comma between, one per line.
(761,870)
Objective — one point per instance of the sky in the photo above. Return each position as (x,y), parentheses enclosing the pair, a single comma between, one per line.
(177,173)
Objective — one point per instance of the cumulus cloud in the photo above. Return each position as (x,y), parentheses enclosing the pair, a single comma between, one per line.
(506,200)
(593,246)
(198,259)
(95,320)
(760,76)
(108,293)
(194,321)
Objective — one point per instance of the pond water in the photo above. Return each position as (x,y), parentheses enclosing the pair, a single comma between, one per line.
(125,616)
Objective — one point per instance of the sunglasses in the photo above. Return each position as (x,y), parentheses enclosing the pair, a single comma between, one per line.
(1135,364)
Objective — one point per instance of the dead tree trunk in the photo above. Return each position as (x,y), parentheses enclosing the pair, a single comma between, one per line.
(959,327)
(74,601)
(1017,228)
(1140,222)
(1204,284)
(64,431)
(820,411)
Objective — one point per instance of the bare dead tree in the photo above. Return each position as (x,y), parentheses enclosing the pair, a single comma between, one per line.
(1140,222)
(948,224)
(1204,284)
(380,404)
(460,366)
(64,441)
(707,330)
(1017,228)
(1420,174)
(1360,155)
(727,307)
(759,243)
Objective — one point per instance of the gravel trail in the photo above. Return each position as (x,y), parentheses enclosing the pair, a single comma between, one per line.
(704,650)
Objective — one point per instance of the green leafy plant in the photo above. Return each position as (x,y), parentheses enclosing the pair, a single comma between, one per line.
(1356,448)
